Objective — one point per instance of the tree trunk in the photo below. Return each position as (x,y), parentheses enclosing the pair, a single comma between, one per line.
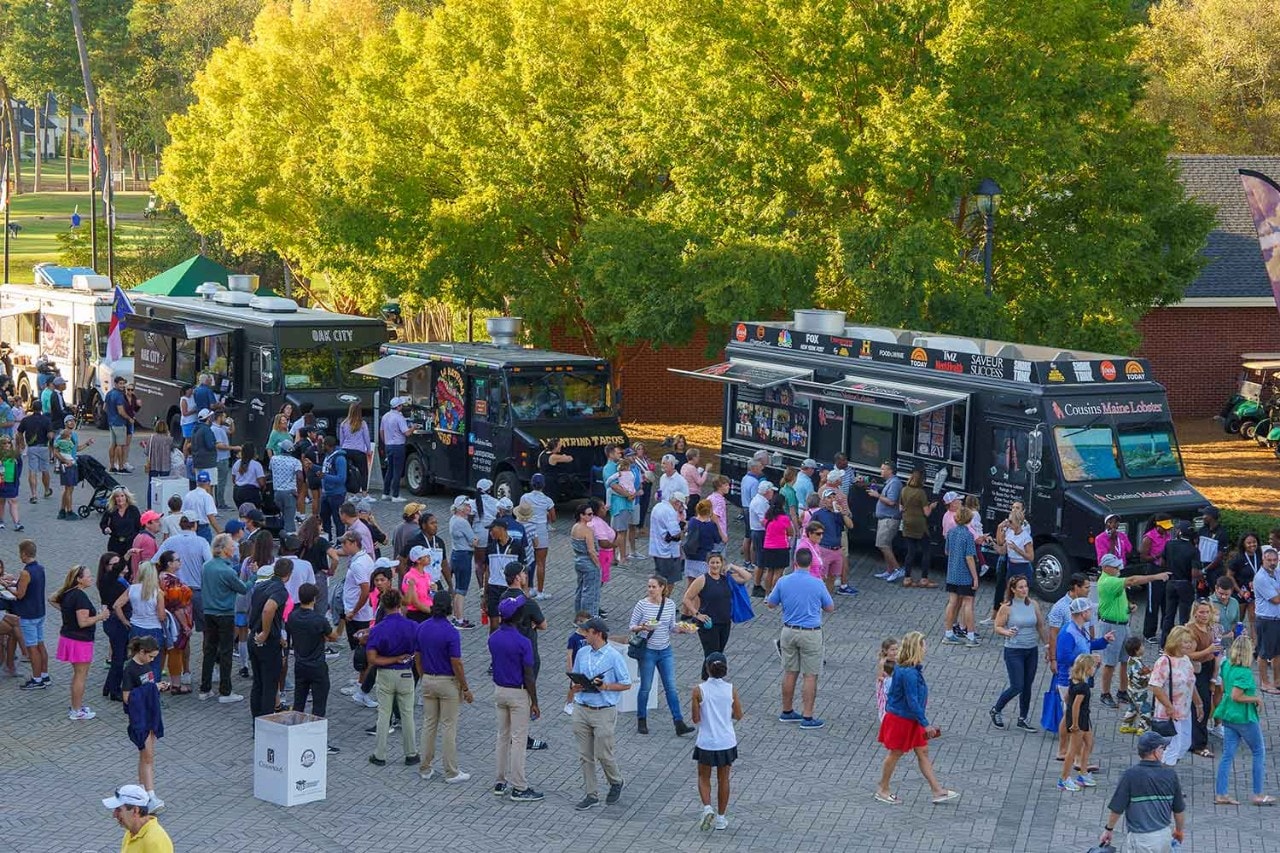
(66,140)
(40,111)
(10,120)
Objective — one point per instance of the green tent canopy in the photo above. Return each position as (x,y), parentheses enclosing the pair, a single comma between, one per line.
(183,279)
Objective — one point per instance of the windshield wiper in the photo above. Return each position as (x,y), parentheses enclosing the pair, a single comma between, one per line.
(1090,425)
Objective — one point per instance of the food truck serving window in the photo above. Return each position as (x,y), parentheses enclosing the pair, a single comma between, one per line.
(772,417)
(1150,451)
(560,396)
(1087,453)
(938,435)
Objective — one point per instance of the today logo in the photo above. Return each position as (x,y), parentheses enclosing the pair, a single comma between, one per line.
(1135,370)
(919,358)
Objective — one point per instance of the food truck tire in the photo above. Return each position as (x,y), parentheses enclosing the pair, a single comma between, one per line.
(415,474)
(507,485)
(1052,572)
(24,393)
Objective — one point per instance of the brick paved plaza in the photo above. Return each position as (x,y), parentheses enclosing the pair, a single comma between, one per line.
(792,790)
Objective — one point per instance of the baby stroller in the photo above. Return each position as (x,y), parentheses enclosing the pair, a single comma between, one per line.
(93,472)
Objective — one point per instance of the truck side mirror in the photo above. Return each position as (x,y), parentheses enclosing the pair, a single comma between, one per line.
(267,380)
(1035,450)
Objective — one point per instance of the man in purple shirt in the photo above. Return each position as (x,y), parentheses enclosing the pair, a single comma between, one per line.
(515,692)
(444,683)
(394,431)
(391,647)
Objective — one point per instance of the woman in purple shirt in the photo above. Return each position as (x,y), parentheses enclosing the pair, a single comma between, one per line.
(353,438)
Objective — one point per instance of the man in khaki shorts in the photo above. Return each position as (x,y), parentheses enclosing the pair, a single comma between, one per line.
(803,599)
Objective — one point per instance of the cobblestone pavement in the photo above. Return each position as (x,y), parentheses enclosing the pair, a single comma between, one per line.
(792,790)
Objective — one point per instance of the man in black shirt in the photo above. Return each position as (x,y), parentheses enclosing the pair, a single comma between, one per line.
(35,434)
(1182,562)
(308,633)
(266,653)
(529,621)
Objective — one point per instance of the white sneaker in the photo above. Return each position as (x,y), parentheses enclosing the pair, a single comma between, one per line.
(990,620)
(128,469)
(155,804)
(81,714)
(708,816)
(568,709)
(399,500)
(350,689)
(230,699)
(204,696)
(386,497)
(362,698)
(427,774)
(543,595)
(896,576)
(457,780)
(721,822)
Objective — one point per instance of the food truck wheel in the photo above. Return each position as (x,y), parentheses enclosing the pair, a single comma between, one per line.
(507,485)
(415,474)
(24,392)
(1052,572)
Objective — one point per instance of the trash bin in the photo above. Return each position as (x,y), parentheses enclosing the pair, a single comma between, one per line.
(629,699)
(289,758)
(163,488)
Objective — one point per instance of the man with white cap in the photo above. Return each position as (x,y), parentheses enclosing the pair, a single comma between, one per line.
(202,447)
(1113,611)
(666,529)
(486,510)
(287,483)
(805,484)
(395,429)
(462,545)
(747,491)
(755,522)
(142,831)
(1148,797)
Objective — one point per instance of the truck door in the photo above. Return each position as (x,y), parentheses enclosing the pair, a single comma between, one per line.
(1006,476)
(488,399)
(448,446)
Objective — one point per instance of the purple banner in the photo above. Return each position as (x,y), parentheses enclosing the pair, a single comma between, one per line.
(1264,204)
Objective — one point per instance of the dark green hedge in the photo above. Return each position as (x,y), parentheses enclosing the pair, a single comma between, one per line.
(1237,523)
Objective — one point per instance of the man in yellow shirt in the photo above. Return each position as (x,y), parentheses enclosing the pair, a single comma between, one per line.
(142,832)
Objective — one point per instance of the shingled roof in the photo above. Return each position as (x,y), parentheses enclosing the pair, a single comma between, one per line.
(1235,262)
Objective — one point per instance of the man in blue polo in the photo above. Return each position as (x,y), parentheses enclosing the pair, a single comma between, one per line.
(118,422)
(595,713)
(803,598)
(1149,798)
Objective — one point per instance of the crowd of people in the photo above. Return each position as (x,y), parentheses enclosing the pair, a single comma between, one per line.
(271,593)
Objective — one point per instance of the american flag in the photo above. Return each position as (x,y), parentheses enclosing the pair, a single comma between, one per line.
(120,309)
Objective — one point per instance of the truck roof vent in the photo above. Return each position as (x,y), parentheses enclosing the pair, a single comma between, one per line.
(1065,355)
(90,282)
(504,331)
(242,283)
(870,333)
(819,321)
(956,344)
(233,297)
(208,290)
(273,305)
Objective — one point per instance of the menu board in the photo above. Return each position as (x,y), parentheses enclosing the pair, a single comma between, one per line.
(932,434)
(772,417)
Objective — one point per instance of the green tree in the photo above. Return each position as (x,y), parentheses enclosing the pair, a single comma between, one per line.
(1214,69)
(854,133)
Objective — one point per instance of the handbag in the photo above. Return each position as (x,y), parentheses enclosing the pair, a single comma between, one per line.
(1051,709)
(1165,728)
(638,645)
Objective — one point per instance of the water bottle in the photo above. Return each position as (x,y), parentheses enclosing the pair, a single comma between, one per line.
(1239,628)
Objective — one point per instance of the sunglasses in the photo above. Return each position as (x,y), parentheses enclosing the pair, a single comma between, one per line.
(588,512)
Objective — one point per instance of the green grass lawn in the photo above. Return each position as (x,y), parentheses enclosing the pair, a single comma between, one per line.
(43,215)
(53,172)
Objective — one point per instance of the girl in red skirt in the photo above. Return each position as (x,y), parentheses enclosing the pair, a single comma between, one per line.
(905,728)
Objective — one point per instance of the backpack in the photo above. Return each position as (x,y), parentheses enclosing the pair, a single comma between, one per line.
(691,543)
(355,482)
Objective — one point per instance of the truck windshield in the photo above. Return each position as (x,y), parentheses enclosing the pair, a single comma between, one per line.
(1087,453)
(350,359)
(325,367)
(560,396)
(1150,451)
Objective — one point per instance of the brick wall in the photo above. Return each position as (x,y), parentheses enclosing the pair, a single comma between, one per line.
(1196,352)
(650,393)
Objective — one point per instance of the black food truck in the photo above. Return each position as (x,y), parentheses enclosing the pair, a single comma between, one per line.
(490,410)
(1075,436)
(262,351)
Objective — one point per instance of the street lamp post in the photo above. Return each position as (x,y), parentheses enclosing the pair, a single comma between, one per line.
(988,203)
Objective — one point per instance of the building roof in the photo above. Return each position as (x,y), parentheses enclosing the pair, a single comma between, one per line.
(1235,261)
(183,279)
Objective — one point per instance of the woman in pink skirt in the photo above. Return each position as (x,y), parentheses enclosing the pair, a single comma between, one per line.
(905,728)
(605,536)
(75,639)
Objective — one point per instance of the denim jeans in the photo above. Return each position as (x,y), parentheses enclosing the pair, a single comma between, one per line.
(1021,664)
(287,503)
(329,516)
(587,595)
(1232,734)
(118,637)
(157,665)
(664,661)
(395,469)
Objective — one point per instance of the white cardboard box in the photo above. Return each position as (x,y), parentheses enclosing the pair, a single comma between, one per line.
(289,758)
(162,488)
(630,699)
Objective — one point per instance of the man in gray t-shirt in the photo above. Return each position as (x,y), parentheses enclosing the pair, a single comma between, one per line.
(888,520)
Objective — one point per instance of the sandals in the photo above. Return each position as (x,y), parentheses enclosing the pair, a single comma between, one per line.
(946,798)
(908,583)
(891,800)
(1225,801)
(179,690)
(926,584)
(1203,753)
(1264,801)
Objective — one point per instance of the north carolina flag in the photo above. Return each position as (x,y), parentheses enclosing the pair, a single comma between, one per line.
(121,307)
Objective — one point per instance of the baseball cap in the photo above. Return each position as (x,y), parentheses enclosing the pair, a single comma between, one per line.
(364,505)
(1183,526)
(595,623)
(191,516)
(385,563)
(809,463)
(507,607)
(127,795)
(203,477)
(397,402)
(537,481)
(484,485)
(233,527)
(628,454)
(417,552)
(413,508)
(829,493)
(950,496)
(1080,605)
(1111,561)
(1210,512)
(766,486)
(460,501)
(204,414)
(505,504)
(286,446)
(1165,524)
(290,542)
(149,516)
(69,419)
(58,380)
(677,495)
(255,515)
(500,521)
(1150,742)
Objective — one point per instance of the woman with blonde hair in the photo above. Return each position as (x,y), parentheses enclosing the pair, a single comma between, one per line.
(353,438)
(1173,690)
(279,433)
(147,618)
(905,727)
(1238,713)
(121,522)
(75,637)
(1207,635)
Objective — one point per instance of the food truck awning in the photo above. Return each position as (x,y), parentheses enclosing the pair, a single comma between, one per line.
(878,394)
(751,373)
(389,366)
(174,328)
(16,310)
(1261,365)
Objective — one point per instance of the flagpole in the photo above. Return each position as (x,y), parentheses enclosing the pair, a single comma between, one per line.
(6,233)
(108,192)
(93,201)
